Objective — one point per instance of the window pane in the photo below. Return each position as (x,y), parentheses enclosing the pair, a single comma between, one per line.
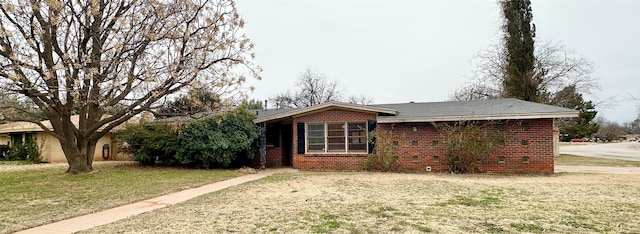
(316,141)
(336,147)
(315,137)
(357,147)
(316,147)
(357,134)
(315,127)
(335,137)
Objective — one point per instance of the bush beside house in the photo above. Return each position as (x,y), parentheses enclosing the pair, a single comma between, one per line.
(221,141)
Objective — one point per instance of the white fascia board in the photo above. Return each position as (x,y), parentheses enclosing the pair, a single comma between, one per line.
(395,119)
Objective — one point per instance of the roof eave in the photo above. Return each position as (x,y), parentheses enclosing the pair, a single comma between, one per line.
(396,119)
(8,131)
(300,111)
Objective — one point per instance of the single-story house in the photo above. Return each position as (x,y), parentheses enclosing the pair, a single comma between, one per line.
(18,132)
(333,135)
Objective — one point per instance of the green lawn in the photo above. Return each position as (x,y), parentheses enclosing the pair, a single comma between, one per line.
(34,197)
(573,160)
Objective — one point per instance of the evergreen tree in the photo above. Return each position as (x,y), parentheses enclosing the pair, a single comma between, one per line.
(583,126)
(520,81)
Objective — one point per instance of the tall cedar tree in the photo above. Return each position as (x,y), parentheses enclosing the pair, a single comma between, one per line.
(520,81)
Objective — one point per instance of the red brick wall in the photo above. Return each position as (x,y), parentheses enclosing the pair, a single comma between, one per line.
(328,161)
(416,150)
(273,157)
(538,133)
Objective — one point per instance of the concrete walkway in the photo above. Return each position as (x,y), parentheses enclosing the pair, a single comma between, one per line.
(114,214)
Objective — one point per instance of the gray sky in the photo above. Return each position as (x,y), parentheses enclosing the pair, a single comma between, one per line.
(401,51)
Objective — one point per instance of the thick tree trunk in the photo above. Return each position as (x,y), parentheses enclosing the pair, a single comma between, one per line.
(78,149)
(77,161)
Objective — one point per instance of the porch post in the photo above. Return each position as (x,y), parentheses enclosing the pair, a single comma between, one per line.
(263,145)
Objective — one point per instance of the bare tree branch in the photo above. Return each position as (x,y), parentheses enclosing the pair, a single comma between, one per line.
(110,60)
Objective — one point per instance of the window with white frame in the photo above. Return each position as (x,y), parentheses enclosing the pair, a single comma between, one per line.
(337,137)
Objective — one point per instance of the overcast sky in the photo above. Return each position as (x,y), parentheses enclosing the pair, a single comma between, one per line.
(401,51)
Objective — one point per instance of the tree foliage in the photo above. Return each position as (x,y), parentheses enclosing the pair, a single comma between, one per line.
(217,141)
(197,100)
(253,104)
(632,127)
(149,143)
(580,127)
(520,80)
(113,59)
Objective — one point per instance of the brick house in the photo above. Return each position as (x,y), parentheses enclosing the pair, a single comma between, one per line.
(333,136)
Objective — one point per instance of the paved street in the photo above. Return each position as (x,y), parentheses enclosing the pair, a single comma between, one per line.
(622,150)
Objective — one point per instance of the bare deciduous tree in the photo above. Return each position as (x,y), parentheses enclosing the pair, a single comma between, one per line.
(557,68)
(312,88)
(362,100)
(113,59)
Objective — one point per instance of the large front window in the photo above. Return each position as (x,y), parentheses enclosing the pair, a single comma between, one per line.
(337,137)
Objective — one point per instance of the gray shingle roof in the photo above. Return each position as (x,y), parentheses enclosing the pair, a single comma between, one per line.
(507,108)
(477,110)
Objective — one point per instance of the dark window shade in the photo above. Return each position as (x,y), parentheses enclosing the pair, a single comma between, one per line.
(371,124)
(301,137)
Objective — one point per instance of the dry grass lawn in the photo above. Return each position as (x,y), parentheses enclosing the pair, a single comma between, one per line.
(390,202)
(574,160)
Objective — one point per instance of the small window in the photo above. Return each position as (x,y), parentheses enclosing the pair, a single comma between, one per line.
(501,159)
(434,143)
(414,143)
(436,159)
(525,159)
(395,144)
(415,159)
(524,142)
(414,128)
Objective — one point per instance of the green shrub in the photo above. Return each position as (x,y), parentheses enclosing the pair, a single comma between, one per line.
(28,151)
(4,151)
(149,143)
(217,142)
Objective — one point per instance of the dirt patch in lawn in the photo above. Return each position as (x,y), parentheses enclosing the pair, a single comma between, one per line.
(387,202)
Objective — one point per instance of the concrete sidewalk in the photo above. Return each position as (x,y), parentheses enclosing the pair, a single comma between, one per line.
(114,214)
